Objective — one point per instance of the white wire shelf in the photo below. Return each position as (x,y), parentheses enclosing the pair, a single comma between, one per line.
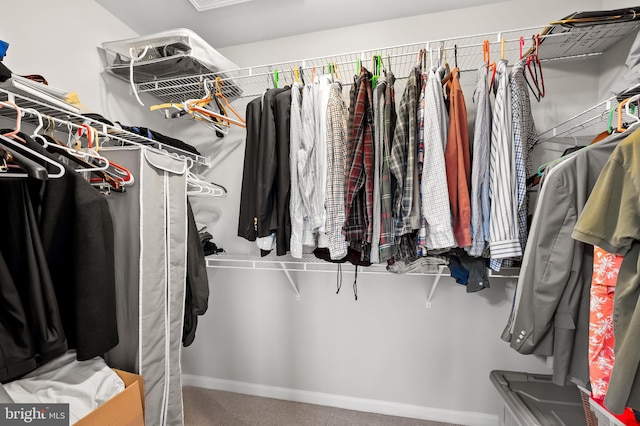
(582,123)
(113,133)
(310,263)
(556,43)
(604,115)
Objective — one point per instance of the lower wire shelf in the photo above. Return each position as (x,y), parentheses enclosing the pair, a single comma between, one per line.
(310,263)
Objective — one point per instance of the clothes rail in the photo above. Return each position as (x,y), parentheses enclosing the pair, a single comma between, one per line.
(555,45)
(104,130)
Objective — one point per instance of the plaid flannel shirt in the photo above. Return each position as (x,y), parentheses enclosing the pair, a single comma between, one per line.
(359,206)
(336,154)
(387,233)
(403,157)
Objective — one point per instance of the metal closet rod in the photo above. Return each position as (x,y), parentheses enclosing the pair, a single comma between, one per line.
(130,140)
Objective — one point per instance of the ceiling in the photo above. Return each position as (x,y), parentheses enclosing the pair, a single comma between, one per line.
(268,19)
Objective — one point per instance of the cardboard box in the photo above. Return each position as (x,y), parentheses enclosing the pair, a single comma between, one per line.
(124,409)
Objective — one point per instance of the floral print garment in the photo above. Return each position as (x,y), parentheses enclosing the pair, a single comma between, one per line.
(605,274)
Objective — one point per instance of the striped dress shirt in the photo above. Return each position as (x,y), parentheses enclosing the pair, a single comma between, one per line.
(480,206)
(403,158)
(321,89)
(295,204)
(378,140)
(503,241)
(387,233)
(436,208)
(308,173)
(524,139)
(336,154)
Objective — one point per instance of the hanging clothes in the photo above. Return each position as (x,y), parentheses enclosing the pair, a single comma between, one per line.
(309,166)
(32,329)
(247,226)
(322,90)
(271,150)
(197,285)
(560,268)
(525,138)
(359,206)
(282,178)
(458,163)
(296,208)
(436,208)
(503,242)
(610,221)
(387,233)
(403,159)
(378,142)
(336,149)
(421,237)
(606,267)
(480,205)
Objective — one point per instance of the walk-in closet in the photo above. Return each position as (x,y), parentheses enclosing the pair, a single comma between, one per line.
(273,212)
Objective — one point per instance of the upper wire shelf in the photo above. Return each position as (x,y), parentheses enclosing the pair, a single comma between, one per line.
(104,130)
(557,43)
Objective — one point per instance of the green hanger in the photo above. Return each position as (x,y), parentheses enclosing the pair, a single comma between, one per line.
(276,78)
(610,121)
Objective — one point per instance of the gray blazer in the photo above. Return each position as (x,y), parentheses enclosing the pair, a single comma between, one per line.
(551,311)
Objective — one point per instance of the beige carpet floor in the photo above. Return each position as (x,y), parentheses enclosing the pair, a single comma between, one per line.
(205,407)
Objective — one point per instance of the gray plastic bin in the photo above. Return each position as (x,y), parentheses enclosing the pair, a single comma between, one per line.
(533,400)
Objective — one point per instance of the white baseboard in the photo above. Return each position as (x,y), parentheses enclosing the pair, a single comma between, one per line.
(346,402)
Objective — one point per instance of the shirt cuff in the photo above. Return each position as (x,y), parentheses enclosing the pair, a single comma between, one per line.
(505,249)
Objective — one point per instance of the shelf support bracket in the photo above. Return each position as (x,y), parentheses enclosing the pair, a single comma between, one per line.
(290,278)
(436,281)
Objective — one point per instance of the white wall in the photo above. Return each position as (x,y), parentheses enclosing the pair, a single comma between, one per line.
(386,346)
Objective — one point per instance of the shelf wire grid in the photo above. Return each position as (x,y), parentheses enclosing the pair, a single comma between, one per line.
(556,42)
(113,133)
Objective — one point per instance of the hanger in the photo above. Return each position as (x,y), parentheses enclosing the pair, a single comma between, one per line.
(534,68)
(218,95)
(544,166)
(198,105)
(486,57)
(196,186)
(450,73)
(376,70)
(14,133)
(28,167)
(26,156)
(625,103)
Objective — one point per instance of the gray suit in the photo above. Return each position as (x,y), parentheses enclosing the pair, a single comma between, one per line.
(551,312)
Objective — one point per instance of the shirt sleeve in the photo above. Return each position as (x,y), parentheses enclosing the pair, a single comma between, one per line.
(608,219)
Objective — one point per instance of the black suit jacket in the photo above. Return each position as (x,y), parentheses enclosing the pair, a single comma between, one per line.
(283,174)
(247,214)
(267,165)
